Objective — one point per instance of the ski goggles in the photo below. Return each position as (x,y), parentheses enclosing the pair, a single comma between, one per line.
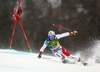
(52,36)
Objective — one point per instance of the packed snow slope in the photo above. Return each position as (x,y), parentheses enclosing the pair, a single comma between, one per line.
(15,61)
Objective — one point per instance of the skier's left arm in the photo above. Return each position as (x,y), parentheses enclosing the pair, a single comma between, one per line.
(66,34)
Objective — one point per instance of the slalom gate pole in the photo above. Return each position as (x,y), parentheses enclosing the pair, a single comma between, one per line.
(61,27)
(19,2)
(12,35)
(25,36)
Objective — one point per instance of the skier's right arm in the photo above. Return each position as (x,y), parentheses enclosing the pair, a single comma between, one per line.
(42,49)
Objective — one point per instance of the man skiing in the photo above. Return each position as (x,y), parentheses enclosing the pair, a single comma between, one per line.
(59,51)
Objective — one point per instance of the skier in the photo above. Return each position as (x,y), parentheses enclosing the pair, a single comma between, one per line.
(59,51)
(18,13)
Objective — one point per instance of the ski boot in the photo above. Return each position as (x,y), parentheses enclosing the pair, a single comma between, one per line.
(63,60)
(82,61)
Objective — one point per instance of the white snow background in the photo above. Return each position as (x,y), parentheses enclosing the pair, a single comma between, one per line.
(16,61)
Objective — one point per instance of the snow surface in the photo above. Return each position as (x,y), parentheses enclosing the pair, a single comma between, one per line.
(16,61)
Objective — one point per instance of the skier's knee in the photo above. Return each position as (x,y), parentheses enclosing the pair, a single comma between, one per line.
(57,55)
(65,52)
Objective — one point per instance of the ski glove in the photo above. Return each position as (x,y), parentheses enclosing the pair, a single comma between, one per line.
(74,32)
(40,55)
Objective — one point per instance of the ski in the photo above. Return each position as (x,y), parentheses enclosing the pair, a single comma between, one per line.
(66,61)
(83,62)
(45,58)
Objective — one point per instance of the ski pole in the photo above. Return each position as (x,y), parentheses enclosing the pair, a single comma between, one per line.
(45,58)
(61,27)
(12,35)
(25,36)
